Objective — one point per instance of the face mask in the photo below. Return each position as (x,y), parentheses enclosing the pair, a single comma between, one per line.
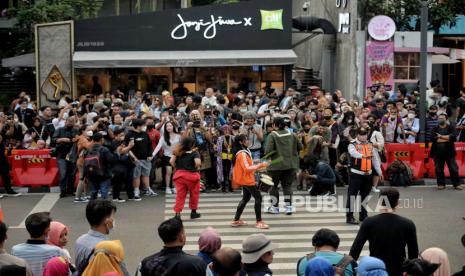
(302,107)
(149,127)
(144,128)
(236,127)
(306,130)
(411,116)
(349,122)
(100,100)
(432,113)
(65,116)
(371,122)
(243,110)
(393,119)
(240,97)
(362,138)
(16,120)
(327,118)
(442,122)
(257,101)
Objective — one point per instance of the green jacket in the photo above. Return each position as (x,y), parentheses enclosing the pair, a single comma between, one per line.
(285,145)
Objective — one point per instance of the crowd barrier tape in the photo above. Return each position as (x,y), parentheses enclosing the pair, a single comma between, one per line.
(34,168)
(412,154)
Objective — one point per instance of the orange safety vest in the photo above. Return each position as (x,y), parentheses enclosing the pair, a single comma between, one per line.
(364,164)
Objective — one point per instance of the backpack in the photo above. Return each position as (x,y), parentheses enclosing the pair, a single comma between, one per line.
(399,174)
(339,268)
(93,165)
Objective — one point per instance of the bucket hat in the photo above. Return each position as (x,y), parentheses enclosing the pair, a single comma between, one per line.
(254,246)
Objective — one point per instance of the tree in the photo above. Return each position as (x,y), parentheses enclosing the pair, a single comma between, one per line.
(44,11)
(406,13)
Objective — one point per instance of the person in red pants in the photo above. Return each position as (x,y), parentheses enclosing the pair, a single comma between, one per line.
(187,162)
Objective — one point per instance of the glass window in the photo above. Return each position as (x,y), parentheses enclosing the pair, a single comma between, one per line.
(212,77)
(244,78)
(407,66)
(272,73)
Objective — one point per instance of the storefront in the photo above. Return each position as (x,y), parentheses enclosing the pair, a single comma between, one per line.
(241,46)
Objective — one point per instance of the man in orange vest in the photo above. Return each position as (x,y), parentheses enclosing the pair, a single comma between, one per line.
(363,159)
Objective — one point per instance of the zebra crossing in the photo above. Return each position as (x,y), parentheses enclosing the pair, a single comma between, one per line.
(293,233)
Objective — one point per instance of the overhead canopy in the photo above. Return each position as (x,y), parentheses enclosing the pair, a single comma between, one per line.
(27,60)
(125,59)
(442,59)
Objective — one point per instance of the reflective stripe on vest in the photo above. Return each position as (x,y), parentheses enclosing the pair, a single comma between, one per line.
(363,164)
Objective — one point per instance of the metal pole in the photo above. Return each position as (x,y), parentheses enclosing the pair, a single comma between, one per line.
(423,68)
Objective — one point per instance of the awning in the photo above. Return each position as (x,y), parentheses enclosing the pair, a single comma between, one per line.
(183,58)
(442,59)
(27,60)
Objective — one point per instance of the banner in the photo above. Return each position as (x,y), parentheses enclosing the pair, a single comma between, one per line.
(379,65)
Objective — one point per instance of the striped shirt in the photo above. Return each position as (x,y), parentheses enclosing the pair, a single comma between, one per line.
(36,254)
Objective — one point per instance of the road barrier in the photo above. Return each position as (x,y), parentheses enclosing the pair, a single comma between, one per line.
(34,168)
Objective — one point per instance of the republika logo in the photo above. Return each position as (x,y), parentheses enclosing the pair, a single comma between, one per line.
(272,20)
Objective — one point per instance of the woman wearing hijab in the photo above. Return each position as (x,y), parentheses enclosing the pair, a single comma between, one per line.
(438,256)
(108,257)
(57,266)
(209,242)
(319,266)
(58,236)
(371,266)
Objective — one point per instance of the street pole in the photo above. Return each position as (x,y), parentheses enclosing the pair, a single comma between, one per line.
(423,68)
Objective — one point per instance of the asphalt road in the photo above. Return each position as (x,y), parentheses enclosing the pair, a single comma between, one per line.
(437,215)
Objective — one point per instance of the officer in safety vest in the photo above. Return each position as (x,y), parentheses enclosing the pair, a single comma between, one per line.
(364,159)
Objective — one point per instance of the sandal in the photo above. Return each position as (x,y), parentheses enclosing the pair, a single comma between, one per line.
(261,225)
(237,223)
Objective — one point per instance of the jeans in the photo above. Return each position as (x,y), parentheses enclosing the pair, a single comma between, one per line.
(285,177)
(67,171)
(453,169)
(247,193)
(101,185)
(358,184)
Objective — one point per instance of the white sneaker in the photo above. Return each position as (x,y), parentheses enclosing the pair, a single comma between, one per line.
(272,210)
(375,190)
(1,196)
(173,190)
(290,210)
(168,191)
(151,193)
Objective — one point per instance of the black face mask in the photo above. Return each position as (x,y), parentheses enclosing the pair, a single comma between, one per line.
(327,118)
(432,113)
(302,107)
(236,127)
(151,126)
(306,130)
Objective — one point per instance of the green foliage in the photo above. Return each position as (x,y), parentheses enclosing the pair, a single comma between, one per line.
(209,2)
(45,11)
(406,13)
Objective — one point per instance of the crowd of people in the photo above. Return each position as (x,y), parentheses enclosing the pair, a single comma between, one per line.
(96,254)
(131,135)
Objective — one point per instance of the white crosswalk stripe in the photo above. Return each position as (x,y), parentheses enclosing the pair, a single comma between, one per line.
(293,233)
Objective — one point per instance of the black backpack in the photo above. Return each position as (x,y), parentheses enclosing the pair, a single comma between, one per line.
(400,174)
(93,165)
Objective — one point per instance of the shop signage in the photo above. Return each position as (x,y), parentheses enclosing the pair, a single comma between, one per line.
(379,68)
(381,27)
(344,17)
(247,25)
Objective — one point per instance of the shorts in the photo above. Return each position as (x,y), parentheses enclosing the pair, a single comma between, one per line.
(165,161)
(142,168)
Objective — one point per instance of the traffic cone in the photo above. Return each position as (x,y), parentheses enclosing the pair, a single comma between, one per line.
(1,213)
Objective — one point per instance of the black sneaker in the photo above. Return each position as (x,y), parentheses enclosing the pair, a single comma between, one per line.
(12,193)
(63,195)
(136,198)
(81,200)
(195,215)
(352,221)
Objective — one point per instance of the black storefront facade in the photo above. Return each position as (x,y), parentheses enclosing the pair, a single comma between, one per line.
(241,46)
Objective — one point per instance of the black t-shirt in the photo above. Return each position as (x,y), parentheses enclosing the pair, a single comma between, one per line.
(461,103)
(186,161)
(388,235)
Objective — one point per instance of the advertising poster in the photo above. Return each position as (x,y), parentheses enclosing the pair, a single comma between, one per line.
(379,68)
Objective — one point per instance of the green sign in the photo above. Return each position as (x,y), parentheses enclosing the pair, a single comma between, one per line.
(272,20)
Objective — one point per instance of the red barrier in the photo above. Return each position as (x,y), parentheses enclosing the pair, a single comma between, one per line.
(412,154)
(459,158)
(34,168)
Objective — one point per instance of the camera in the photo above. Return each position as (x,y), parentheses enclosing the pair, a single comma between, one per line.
(305,6)
(196,124)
